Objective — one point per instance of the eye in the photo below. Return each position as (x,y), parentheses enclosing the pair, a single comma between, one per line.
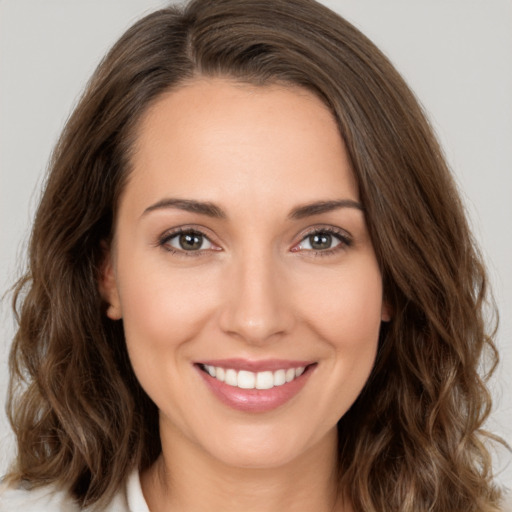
(323,240)
(188,241)
(319,242)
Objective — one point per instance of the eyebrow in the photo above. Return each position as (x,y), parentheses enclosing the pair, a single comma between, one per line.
(189,205)
(318,207)
(212,210)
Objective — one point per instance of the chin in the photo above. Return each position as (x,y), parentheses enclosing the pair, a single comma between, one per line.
(265,448)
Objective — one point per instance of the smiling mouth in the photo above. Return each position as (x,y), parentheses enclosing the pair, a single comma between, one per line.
(244,379)
(255,386)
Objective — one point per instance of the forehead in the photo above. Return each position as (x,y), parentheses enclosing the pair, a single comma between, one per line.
(214,138)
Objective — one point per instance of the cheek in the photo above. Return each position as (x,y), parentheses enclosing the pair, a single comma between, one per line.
(346,310)
(162,307)
(346,316)
(164,311)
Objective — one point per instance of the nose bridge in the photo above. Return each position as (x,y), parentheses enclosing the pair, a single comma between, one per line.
(255,307)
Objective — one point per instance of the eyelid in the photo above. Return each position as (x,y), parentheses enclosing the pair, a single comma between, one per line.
(163,239)
(340,234)
(343,236)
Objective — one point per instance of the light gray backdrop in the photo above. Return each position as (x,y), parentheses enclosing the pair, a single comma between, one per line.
(456,55)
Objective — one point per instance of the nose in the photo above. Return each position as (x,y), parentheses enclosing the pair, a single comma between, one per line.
(256,307)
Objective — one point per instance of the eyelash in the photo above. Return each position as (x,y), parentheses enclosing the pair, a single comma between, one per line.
(342,236)
(164,240)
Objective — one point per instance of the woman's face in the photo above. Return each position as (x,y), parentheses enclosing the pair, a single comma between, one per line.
(241,251)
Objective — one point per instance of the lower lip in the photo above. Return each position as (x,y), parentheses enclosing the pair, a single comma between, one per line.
(256,400)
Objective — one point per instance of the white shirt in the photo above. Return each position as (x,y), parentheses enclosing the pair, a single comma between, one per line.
(49,499)
(129,499)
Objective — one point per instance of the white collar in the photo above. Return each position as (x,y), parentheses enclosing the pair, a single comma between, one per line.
(134,496)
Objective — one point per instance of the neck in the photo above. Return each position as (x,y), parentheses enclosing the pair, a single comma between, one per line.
(185,479)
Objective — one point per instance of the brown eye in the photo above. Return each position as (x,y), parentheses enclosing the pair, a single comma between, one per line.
(320,241)
(323,241)
(189,241)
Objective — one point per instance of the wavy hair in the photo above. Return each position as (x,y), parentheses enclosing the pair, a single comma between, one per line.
(413,440)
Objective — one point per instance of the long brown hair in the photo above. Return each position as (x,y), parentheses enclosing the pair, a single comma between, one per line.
(412,441)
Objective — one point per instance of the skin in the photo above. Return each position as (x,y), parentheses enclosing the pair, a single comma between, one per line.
(255,290)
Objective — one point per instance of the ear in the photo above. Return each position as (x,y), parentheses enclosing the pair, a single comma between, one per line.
(107,284)
(386,312)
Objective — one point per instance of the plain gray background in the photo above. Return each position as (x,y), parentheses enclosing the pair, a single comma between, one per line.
(455,54)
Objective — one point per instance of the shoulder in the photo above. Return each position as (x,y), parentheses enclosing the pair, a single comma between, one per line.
(506,504)
(43,499)
(52,499)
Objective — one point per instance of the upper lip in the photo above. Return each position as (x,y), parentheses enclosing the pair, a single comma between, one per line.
(256,366)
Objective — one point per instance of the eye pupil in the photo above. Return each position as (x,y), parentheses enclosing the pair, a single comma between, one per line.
(191,241)
(320,241)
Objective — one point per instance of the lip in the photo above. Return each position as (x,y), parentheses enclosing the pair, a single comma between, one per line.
(256,366)
(256,400)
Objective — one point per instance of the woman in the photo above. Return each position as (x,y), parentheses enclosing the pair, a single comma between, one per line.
(251,283)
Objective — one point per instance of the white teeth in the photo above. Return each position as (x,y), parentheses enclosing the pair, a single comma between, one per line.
(279,377)
(231,377)
(264,380)
(220,374)
(290,374)
(254,380)
(246,380)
